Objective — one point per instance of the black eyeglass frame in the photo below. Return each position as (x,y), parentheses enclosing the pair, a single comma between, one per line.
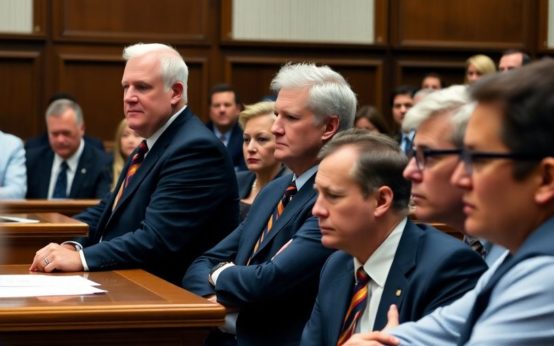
(468,157)
(421,159)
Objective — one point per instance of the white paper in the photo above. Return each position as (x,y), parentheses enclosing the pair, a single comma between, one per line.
(33,285)
(4,218)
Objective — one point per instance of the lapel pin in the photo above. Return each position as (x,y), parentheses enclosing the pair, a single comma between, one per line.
(398,292)
(83,171)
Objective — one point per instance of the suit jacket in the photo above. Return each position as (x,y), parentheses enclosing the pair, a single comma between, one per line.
(92,178)
(430,269)
(276,291)
(234,146)
(181,201)
(245,179)
(520,309)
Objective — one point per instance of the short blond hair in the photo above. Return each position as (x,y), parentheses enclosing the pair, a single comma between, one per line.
(256,110)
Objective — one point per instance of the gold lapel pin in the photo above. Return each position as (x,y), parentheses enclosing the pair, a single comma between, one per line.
(398,292)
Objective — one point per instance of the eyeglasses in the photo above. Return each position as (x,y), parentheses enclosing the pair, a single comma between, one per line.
(422,155)
(472,158)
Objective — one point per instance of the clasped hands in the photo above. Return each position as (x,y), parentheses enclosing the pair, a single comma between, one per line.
(57,257)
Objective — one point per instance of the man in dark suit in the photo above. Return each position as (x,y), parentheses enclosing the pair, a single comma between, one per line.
(384,259)
(225,106)
(68,167)
(182,198)
(268,268)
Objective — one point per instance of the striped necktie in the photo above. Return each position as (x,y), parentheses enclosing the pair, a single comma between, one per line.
(287,196)
(357,306)
(133,167)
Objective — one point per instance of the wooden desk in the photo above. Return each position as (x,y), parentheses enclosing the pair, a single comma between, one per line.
(138,309)
(20,241)
(67,207)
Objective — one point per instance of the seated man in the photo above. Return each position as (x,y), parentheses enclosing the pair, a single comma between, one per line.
(13,173)
(268,267)
(384,259)
(507,174)
(440,121)
(177,195)
(68,167)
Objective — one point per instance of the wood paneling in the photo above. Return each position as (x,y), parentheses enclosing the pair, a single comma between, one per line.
(411,72)
(171,21)
(20,91)
(462,23)
(252,75)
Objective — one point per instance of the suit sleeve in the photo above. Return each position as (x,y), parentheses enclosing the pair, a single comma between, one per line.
(91,216)
(15,178)
(312,334)
(455,275)
(277,277)
(196,277)
(182,202)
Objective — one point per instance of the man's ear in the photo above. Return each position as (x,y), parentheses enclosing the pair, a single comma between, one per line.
(331,127)
(384,198)
(545,191)
(177,93)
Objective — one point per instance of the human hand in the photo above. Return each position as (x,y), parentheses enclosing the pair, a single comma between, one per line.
(56,257)
(378,338)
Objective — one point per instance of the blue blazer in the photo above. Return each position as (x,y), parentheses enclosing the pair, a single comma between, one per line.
(181,201)
(275,293)
(245,179)
(234,146)
(430,269)
(92,178)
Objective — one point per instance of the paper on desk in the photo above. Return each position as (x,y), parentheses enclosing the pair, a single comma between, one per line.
(5,218)
(33,285)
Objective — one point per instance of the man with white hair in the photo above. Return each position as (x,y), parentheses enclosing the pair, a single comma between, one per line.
(161,213)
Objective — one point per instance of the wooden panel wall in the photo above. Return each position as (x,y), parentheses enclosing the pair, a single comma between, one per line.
(76,47)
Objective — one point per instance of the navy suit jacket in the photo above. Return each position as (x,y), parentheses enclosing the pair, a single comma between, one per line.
(181,201)
(430,269)
(234,146)
(92,178)
(276,292)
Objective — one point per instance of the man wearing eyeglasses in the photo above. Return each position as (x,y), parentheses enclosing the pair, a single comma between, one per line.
(440,121)
(507,174)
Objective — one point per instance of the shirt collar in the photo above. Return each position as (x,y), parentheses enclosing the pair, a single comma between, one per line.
(304,177)
(379,263)
(73,160)
(150,141)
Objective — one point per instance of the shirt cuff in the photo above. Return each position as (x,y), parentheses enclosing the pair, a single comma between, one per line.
(216,273)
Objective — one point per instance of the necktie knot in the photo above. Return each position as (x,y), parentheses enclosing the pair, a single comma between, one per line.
(289,193)
(362,277)
(64,166)
(139,155)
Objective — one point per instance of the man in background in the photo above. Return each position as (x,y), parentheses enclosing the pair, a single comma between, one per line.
(225,107)
(68,167)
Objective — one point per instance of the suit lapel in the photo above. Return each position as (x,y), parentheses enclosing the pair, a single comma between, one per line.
(343,285)
(81,172)
(397,279)
(298,202)
(45,178)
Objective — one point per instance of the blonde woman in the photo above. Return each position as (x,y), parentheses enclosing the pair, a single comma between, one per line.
(478,66)
(258,148)
(125,141)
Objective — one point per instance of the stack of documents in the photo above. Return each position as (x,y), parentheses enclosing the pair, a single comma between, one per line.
(37,285)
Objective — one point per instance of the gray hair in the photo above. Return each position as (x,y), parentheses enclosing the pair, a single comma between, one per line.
(173,67)
(454,99)
(58,107)
(329,93)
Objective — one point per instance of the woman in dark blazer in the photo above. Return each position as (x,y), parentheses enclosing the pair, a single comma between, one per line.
(258,148)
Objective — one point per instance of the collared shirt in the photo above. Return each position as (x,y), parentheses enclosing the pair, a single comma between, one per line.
(72,163)
(377,267)
(304,177)
(223,136)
